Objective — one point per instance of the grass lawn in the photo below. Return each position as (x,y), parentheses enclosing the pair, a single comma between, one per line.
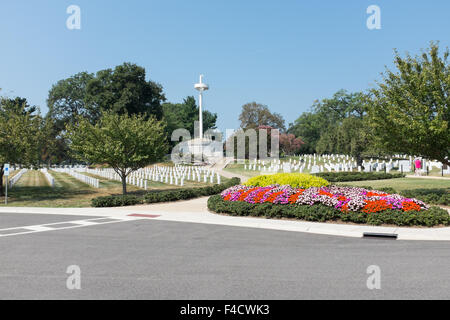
(32,178)
(402,183)
(239,169)
(32,190)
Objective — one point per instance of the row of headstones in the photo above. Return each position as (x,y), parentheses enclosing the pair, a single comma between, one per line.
(190,173)
(181,173)
(140,177)
(94,182)
(49,177)
(347,164)
(309,163)
(110,174)
(15,179)
(173,175)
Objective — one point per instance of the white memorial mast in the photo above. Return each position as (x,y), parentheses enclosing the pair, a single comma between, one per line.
(200,87)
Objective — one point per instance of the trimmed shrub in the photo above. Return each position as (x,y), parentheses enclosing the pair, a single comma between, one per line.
(117,201)
(295,180)
(432,196)
(357,176)
(432,217)
(163,196)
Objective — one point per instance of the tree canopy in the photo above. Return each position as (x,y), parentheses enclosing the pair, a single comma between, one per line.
(124,142)
(20,134)
(255,115)
(123,89)
(410,107)
(183,115)
(289,144)
(335,125)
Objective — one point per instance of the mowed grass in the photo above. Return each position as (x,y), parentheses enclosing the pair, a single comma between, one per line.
(32,178)
(402,184)
(33,190)
(239,169)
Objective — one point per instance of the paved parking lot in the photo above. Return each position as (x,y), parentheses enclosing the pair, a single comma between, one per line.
(149,259)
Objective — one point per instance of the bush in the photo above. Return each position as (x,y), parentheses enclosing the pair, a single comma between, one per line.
(163,196)
(295,180)
(117,201)
(430,196)
(432,217)
(357,176)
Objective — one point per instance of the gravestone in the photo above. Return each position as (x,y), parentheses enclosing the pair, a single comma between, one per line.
(315,169)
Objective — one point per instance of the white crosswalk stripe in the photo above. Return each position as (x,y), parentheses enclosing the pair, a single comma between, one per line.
(8,232)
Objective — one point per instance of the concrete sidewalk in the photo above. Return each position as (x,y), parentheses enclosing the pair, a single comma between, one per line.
(195,211)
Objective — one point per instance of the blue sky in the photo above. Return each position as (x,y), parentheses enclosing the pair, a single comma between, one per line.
(284,54)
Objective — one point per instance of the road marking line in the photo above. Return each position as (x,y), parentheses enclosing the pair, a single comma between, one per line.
(76,224)
(39,228)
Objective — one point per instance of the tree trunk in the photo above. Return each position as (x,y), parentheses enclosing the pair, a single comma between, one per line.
(359,160)
(124,183)
(445,161)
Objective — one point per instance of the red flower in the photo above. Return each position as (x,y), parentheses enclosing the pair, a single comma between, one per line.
(376,206)
(410,206)
(273,196)
(245,194)
(324,193)
(294,197)
(373,194)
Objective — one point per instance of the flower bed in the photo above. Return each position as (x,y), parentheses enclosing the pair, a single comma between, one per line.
(342,198)
(328,203)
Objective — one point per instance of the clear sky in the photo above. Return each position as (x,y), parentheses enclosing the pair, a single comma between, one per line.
(284,54)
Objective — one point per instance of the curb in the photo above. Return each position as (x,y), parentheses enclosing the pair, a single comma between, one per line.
(206,217)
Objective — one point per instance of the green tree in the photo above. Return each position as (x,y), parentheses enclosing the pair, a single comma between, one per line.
(353,138)
(255,115)
(308,128)
(19,134)
(124,142)
(125,90)
(18,105)
(183,115)
(410,108)
(67,100)
(319,127)
(53,146)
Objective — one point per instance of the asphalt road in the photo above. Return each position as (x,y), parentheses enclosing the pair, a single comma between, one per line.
(149,259)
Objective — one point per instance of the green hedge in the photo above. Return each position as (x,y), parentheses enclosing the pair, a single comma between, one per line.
(357,176)
(116,201)
(432,217)
(163,196)
(440,196)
